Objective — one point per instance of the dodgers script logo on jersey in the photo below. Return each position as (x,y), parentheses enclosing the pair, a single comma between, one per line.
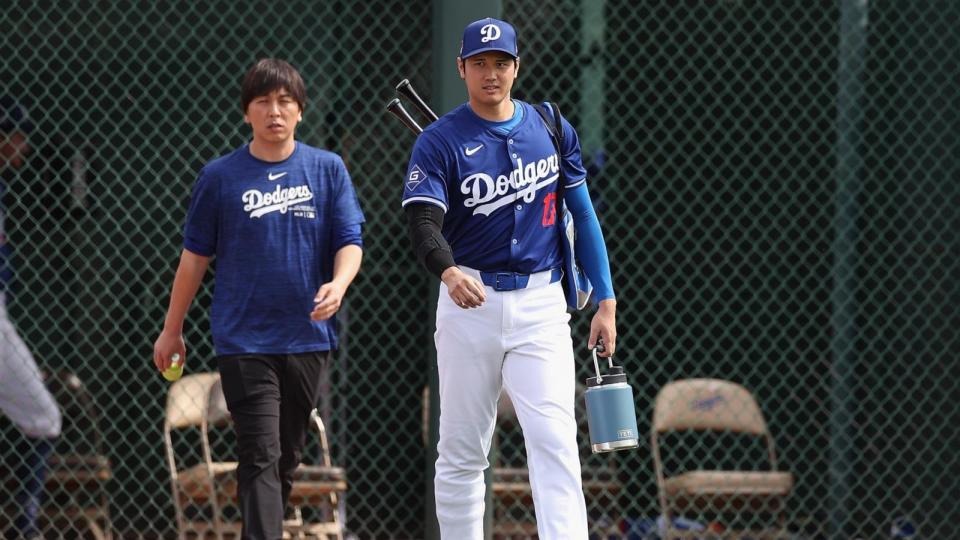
(488,195)
(280,199)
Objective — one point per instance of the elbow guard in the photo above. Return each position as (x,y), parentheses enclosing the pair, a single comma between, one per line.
(429,245)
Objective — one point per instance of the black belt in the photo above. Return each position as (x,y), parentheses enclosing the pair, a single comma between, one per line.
(511,281)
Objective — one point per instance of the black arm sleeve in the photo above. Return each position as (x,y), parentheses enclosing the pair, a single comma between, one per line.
(425,222)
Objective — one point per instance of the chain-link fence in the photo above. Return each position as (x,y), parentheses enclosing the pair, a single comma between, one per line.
(777,183)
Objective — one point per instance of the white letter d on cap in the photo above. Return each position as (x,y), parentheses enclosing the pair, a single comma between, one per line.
(491,32)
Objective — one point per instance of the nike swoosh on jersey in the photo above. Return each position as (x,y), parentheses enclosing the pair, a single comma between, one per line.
(272,176)
(472,151)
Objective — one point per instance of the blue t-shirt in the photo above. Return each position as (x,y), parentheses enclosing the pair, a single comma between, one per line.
(274,228)
(498,190)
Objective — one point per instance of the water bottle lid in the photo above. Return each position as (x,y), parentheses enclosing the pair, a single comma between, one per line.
(615,375)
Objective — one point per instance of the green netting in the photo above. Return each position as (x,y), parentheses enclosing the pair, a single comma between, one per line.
(777,182)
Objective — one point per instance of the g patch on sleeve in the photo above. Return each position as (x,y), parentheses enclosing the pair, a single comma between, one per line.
(416,176)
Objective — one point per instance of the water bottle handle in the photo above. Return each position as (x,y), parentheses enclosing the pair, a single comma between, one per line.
(596,366)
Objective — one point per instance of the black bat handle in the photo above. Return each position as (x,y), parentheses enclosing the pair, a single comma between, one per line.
(406,89)
(396,108)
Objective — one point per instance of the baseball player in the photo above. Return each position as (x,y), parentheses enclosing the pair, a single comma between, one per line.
(283,220)
(23,397)
(480,197)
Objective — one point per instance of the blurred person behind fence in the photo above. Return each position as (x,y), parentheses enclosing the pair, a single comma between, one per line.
(23,397)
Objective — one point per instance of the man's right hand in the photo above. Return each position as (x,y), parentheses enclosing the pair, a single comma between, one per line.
(465,291)
(168,344)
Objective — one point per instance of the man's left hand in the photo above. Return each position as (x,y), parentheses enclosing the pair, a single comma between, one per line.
(604,324)
(327,301)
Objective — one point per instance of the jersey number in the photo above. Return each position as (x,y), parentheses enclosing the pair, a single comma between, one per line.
(549,209)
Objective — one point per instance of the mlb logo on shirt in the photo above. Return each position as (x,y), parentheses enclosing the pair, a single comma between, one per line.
(416,176)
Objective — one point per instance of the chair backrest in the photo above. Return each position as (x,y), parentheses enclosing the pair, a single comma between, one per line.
(195,397)
(707,404)
(81,433)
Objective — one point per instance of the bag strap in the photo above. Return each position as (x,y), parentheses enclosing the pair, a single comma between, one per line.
(555,128)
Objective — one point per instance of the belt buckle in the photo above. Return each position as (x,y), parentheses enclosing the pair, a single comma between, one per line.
(506,281)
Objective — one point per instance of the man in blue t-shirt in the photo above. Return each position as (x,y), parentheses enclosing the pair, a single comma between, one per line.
(283,221)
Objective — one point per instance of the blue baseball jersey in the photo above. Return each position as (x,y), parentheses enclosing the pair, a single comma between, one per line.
(274,228)
(498,191)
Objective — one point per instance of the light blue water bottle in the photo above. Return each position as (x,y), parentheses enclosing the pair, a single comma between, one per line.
(611,414)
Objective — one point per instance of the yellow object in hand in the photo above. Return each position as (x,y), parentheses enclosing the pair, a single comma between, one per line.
(175,370)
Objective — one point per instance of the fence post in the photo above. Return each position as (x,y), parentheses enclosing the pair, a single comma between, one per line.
(850,90)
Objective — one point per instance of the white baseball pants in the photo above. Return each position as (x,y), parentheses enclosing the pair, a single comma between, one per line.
(23,397)
(519,341)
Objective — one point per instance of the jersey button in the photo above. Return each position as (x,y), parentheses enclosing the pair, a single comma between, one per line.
(510,141)
(514,156)
(514,240)
(519,207)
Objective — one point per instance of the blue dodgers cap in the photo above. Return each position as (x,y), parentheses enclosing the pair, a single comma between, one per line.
(13,116)
(488,35)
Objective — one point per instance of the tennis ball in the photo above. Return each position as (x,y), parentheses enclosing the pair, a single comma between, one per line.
(175,370)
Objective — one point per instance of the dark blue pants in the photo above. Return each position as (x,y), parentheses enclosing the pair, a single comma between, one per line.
(270,398)
(32,472)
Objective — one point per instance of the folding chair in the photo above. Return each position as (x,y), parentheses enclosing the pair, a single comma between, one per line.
(701,406)
(79,469)
(196,402)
